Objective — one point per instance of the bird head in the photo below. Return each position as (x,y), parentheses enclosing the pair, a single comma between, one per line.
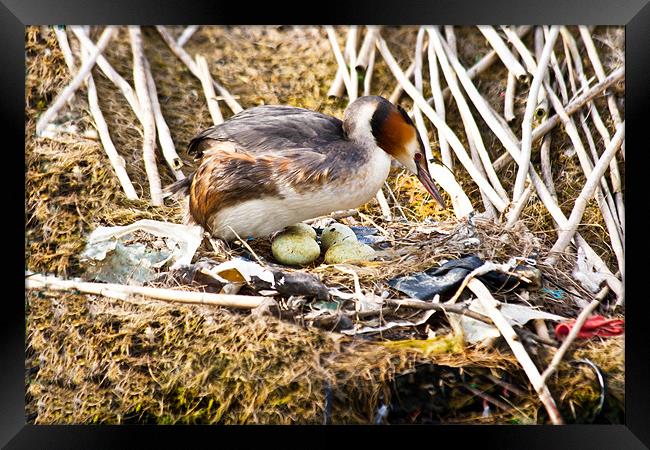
(374,117)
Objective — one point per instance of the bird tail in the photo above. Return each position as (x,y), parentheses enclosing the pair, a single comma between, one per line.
(179,189)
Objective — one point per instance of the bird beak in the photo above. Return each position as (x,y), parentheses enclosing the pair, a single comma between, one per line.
(425,178)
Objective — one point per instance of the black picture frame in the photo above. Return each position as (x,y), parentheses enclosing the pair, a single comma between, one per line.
(634,14)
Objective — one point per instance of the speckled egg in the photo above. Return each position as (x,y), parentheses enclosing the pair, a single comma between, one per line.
(301,228)
(295,249)
(348,251)
(335,233)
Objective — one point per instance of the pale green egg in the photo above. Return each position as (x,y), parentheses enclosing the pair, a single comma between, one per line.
(301,228)
(349,251)
(295,249)
(335,233)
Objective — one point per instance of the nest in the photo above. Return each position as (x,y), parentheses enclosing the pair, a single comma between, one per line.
(99,360)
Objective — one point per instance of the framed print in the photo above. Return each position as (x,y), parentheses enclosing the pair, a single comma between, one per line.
(369,216)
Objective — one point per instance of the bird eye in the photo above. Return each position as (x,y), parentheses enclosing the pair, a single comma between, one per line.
(418,156)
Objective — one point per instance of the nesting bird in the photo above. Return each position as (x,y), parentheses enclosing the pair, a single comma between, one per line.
(269,167)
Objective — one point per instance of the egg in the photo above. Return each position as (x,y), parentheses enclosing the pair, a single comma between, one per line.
(295,248)
(335,233)
(301,228)
(349,251)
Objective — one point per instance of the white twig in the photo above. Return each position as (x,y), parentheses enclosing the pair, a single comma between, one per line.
(118,163)
(410,70)
(504,53)
(121,291)
(352,55)
(337,87)
(76,82)
(515,212)
(588,191)
(383,204)
(208,89)
(450,37)
(545,161)
(508,106)
(518,44)
(490,306)
(367,48)
(473,132)
(62,38)
(343,68)
(542,100)
(149,124)
(367,78)
(110,73)
(186,35)
(164,136)
(527,124)
(440,125)
(439,102)
(573,334)
(181,54)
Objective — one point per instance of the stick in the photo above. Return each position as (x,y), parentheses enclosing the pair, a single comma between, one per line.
(410,70)
(164,136)
(527,124)
(545,160)
(490,305)
(440,125)
(559,77)
(208,89)
(62,38)
(518,44)
(484,63)
(450,36)
(336,215)
(120,291)
(149,124)
(577,326)
(362,61)
(343,69)
(76,82)
(439,102)
(352,55)
(588,190)
(110,73)
(472,130)
(186,35)
(118,163)
(504,53)
(191,65)
(367,78)
(515,212)
(542,100)
(509,103)
(383,204)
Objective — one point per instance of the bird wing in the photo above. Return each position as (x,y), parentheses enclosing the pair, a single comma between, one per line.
(272,129)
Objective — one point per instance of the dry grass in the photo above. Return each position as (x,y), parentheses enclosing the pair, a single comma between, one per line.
(100,360)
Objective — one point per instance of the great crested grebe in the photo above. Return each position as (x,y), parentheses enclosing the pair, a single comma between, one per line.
(269,167)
